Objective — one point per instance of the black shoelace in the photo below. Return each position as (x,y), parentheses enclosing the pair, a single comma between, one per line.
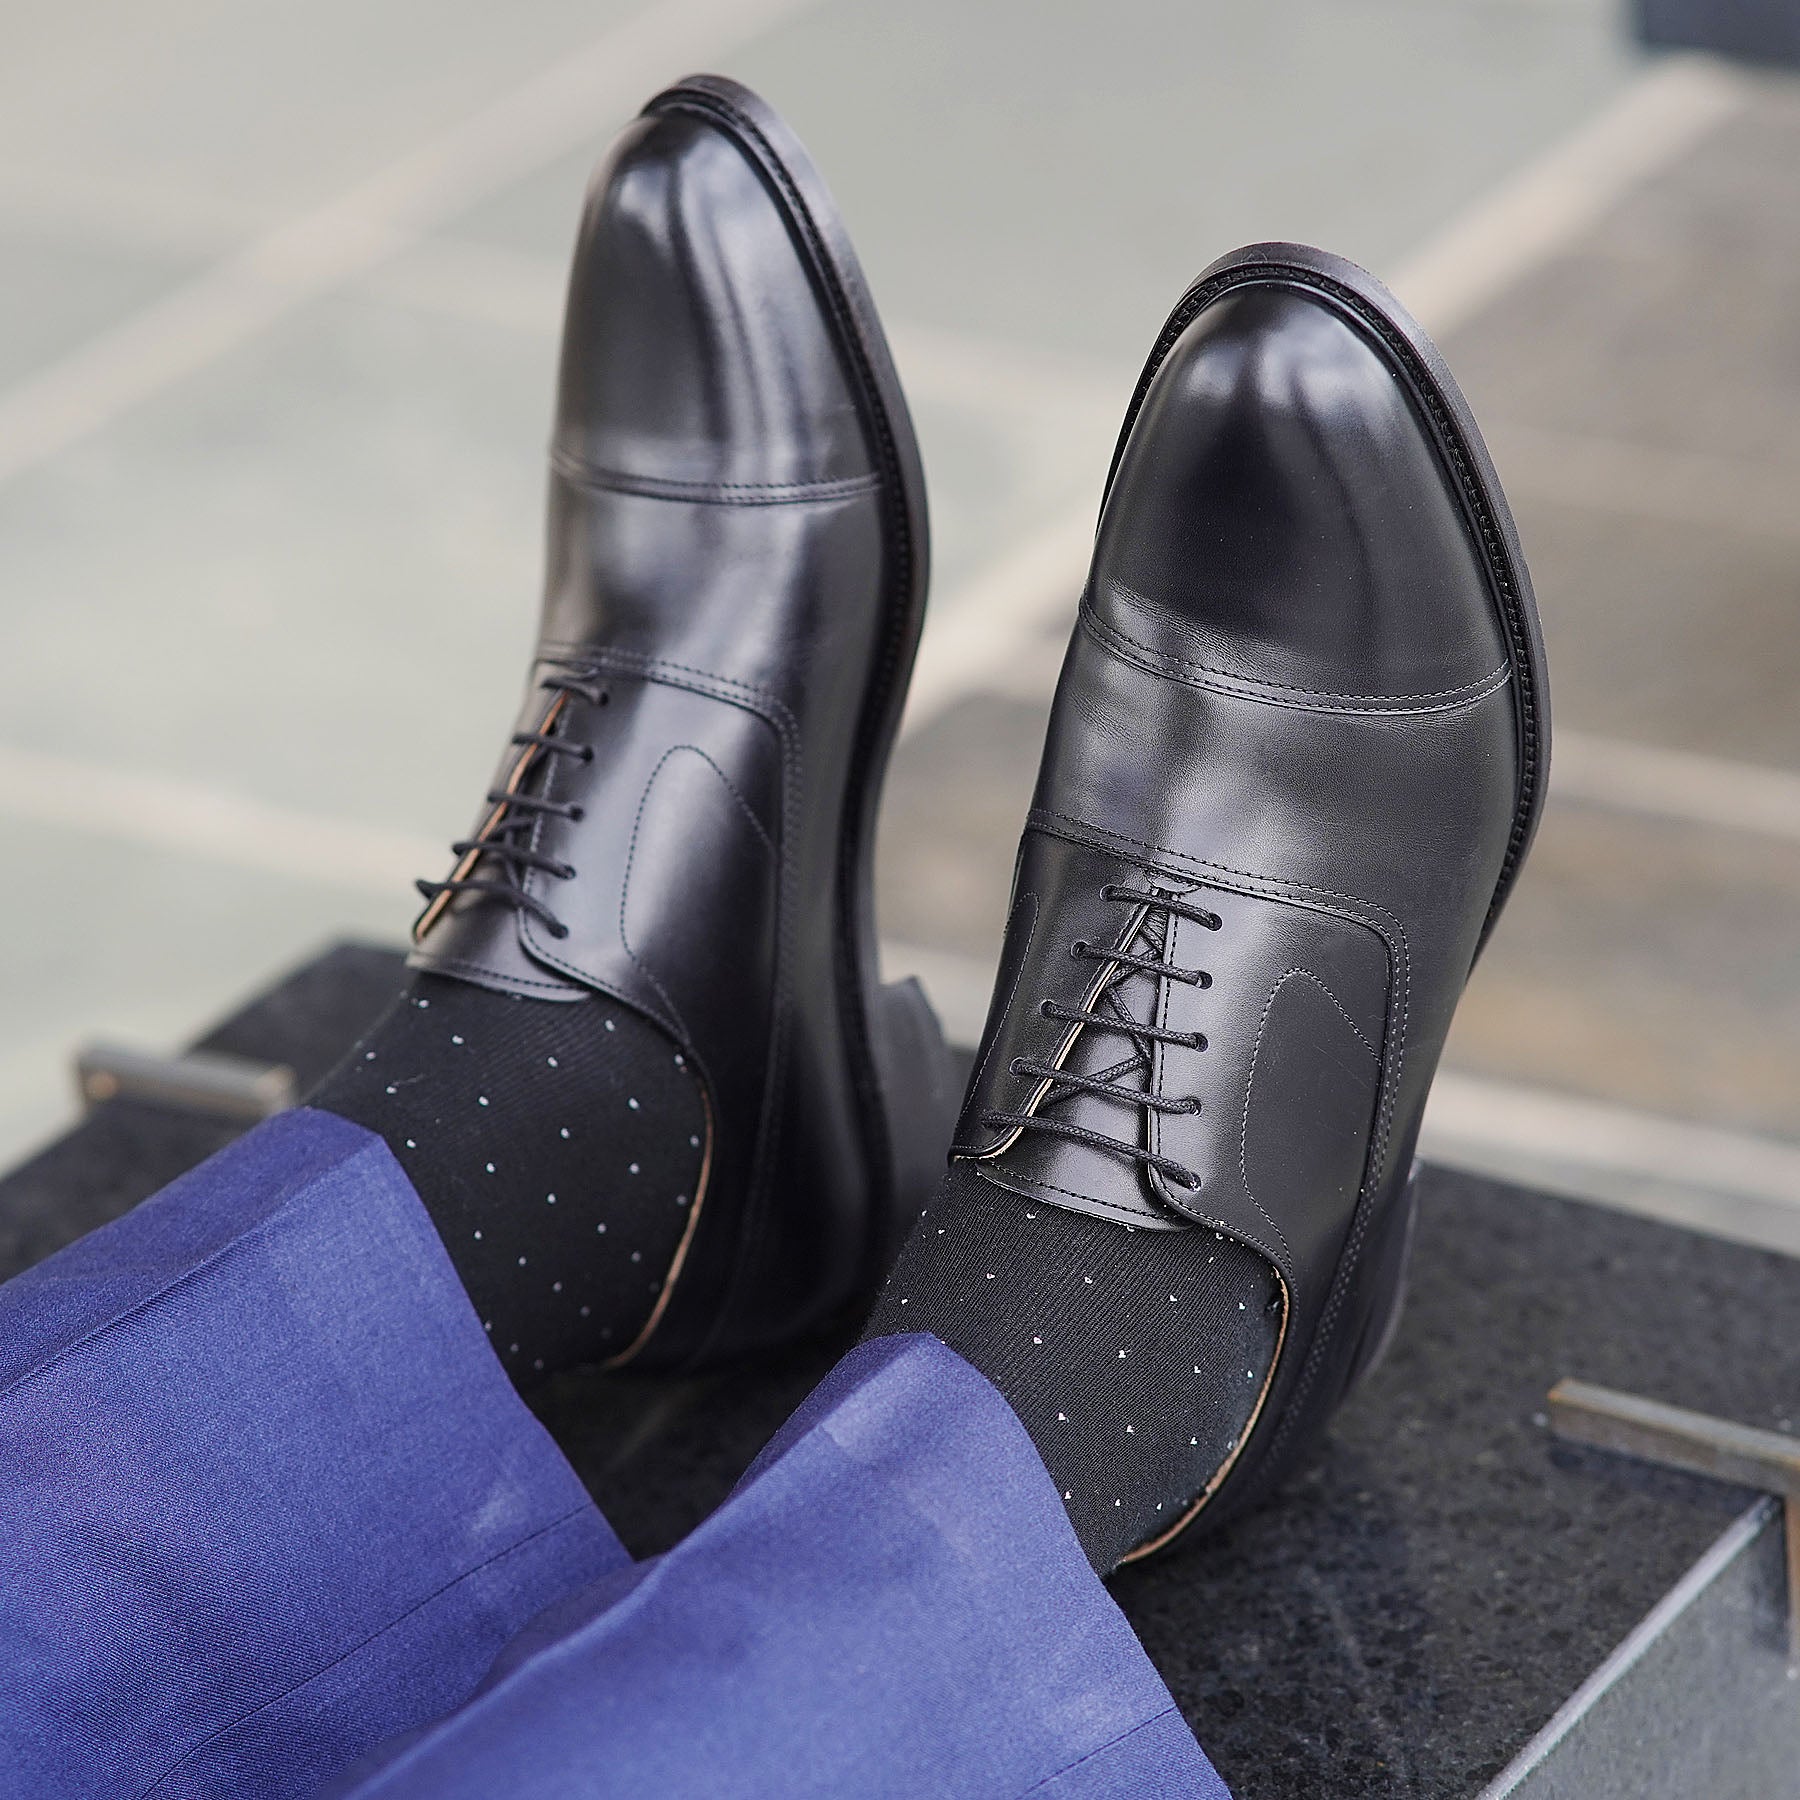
(504,836)
(1108,1084)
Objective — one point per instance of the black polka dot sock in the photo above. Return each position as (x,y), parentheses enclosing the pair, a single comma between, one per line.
(555,1145)
(1133,1358)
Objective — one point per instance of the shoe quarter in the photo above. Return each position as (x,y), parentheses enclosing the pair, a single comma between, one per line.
(1292,1017)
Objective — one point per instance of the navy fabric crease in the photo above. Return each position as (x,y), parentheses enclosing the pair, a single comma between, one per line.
(276,1523)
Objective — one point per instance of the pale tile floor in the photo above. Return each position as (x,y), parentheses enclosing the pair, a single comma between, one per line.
(269,544)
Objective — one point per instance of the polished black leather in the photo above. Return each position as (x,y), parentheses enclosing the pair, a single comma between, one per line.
(1305,700)
(736,575)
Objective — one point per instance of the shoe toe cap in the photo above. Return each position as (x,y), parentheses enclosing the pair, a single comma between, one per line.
(1283,514)
(696,348)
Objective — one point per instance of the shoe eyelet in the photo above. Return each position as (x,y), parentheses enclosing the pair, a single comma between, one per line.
(577,814)
(1079,949)
(1202,978)
(587,753)
(1191,1104)
(1016,1066)
(1197,1041)
(1043,1009)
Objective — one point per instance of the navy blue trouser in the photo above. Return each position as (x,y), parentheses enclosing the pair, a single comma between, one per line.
(274,1523)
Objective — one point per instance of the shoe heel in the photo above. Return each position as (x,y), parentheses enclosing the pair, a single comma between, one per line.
(920,1096)
(1389,1260)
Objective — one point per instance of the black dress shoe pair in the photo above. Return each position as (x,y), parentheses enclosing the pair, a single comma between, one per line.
(1294,762)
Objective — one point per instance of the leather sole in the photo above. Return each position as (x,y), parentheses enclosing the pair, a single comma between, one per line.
(896,1102)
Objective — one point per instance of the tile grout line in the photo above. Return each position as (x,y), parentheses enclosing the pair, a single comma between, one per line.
(246,293)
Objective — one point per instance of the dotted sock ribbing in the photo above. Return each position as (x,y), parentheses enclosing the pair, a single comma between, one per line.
(1133,1358)
(555,1145)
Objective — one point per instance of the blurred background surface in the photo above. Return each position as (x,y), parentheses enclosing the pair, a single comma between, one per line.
(279,293)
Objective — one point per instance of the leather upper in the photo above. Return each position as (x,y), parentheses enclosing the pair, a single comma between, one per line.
(1287,703)
(721,580)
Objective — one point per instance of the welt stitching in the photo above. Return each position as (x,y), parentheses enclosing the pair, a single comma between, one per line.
(726,493)
(1251,687)
(1186,662)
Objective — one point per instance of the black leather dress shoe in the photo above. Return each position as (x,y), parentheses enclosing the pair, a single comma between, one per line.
(1297,755)
(684,818)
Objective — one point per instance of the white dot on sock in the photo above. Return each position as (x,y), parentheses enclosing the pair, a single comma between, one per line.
(565,1131)
(392,1089)
(694,1142)
(637,1256)
(487,1324)
(549,1199)
(512,1349)
(1088,1279)
(1173,1301)
(422,1004)
(632,1104)
(454,1038)
(1036,1339)
(368,1056)
(489,1167)
(537,1362)
(478,1237)
(990,1275)
(556,1287)
(1131,1431)
(1063,1418)
(634,1168)
(601,1226)
(551,1060)
(585,1311)
(681,1199)
(521,1262)
(1121,1356)
(610,1026)
(481,1099)
(411,1145)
